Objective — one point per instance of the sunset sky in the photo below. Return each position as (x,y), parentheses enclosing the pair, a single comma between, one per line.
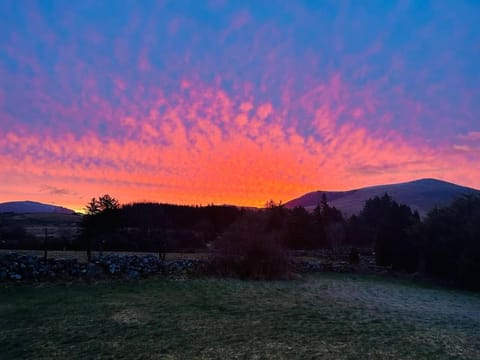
(238,102)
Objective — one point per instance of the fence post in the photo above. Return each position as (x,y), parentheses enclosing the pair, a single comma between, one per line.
(45,244)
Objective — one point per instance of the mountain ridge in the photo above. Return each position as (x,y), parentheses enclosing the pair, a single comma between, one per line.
(421,195)
(27,206)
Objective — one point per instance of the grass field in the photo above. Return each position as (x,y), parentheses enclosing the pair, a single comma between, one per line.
(323,316)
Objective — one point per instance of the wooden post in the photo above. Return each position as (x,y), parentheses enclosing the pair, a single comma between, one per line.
(162,245)
(45,243)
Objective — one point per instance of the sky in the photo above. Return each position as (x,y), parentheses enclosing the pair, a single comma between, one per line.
(234,102)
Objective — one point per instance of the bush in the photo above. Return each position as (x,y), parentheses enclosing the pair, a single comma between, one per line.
(248,251)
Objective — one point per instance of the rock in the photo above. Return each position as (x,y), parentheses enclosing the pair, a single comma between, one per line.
(15,276)
(93,270)
(132,274)
(112,268)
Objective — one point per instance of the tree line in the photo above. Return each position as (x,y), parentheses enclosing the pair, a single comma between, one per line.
(445,244)
(152,227)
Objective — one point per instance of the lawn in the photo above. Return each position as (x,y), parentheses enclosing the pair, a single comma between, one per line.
(322,316)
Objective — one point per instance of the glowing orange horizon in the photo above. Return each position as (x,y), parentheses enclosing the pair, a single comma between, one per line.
(238,153)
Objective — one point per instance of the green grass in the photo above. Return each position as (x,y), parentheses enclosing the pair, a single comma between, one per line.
(324,316)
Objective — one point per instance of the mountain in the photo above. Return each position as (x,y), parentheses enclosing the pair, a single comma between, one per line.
(421,195)
(32,207)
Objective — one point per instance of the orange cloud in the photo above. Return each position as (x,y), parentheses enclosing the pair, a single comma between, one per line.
(207,147)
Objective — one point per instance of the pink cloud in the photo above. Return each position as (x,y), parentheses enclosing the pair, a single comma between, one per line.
(239,20)
(209,147)
(471,136)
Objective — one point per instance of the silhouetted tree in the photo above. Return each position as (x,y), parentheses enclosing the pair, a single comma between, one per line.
(102,204)
(299,229)
(387,223)
(276,215)
(329,225)
(450,242)
(319,228)
(357,232)
(102,218)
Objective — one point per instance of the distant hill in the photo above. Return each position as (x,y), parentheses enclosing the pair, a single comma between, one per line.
(32,207)
(421,195)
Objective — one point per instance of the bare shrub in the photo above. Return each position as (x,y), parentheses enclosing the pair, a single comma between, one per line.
(248,251)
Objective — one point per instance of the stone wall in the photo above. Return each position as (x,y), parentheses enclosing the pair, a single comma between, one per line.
(16,267)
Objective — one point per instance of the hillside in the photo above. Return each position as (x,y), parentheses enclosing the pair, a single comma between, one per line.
(421,195)
(20,207)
